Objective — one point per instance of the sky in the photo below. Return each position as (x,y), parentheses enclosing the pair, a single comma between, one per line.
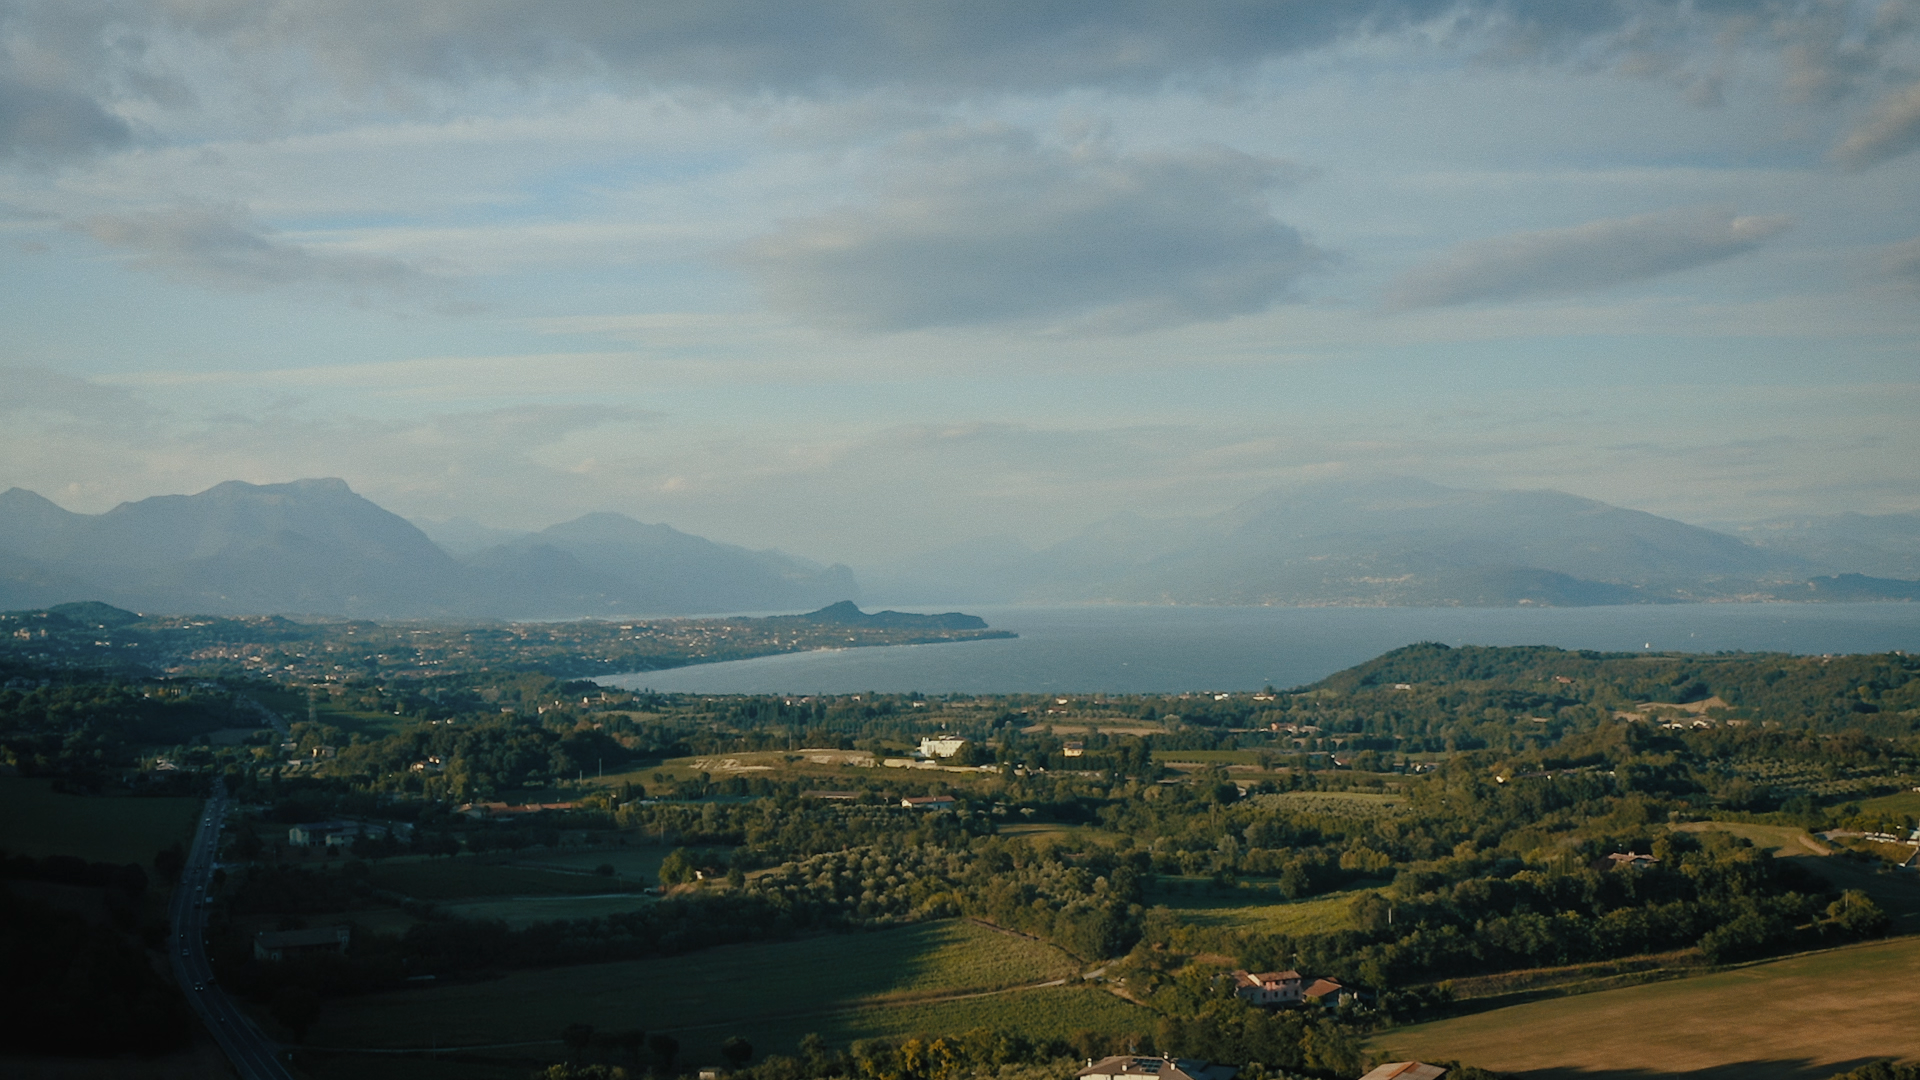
(859,279)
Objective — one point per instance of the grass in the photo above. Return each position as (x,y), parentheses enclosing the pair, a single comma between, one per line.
(1801,1018)
(468,877)
(36,820)
(523,911)
(1782,840)
(843,986)
(1054,1012)
(1257,907)
(1904,802)
(629,863)
(1212,757)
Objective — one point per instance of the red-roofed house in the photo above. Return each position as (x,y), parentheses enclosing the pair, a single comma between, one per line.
(1406,1070)
(1269,988)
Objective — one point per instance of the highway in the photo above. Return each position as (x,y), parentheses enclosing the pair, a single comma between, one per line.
(253,1055)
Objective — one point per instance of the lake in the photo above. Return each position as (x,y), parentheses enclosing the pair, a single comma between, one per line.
(1139,649)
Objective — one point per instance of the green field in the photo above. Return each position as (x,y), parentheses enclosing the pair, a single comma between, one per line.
(468,877)
(1255,907)
(1802,1018)
(1340,804)
(629,863)
(1905,802)
(522,911)
(1782,840)
(36,820)
(1210,757)
(843,986)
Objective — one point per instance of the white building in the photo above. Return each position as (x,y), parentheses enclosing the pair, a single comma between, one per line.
(942,746)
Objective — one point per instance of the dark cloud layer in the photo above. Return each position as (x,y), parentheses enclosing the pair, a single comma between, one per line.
(41,124)
(100,49)
(986,226)
(1596,255)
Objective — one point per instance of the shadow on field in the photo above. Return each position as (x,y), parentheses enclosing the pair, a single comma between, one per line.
(1773,1069)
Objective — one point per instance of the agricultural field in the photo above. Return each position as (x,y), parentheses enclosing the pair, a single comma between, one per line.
(1211,757)
(630,864)
(519,912)
(1903,802)
(1257,907)
(921,977)
(1783,840)
(293,706)
(468,877)
(36,820)
(1347,804)
(1801,1018)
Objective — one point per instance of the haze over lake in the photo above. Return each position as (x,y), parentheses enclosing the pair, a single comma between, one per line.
(1140,649)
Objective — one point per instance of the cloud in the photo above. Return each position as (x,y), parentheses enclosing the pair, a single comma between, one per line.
(46,124)
(1893,130)
(101,52)
(977,226)
(1597,255)
(1902,260)
(222,246)
(964,46)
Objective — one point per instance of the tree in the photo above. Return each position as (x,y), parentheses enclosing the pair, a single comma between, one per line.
(632,1041)
(665,1048)
(297,1007)
(677,868)
(737,1051)
(169,861)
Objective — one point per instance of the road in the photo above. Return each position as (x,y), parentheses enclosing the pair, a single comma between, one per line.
(254,1056)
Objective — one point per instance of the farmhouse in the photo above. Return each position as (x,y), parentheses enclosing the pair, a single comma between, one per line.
(1406,1070)
(1269,988)
(1074,749)
(941,746)
(1330,992)
(282,944)
(1130,1067)
(1625,859)
(929,802)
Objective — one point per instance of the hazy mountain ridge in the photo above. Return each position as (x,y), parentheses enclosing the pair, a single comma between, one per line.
(316,547)
(1394,541)
(1877,545)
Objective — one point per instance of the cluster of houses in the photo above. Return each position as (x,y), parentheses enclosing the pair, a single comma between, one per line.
(1284,988)
(1142,1067)
(343,833)
(487,811)
(1625,860)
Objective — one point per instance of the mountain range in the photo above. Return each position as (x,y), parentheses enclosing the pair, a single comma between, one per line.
(315,547)
(1404,541)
